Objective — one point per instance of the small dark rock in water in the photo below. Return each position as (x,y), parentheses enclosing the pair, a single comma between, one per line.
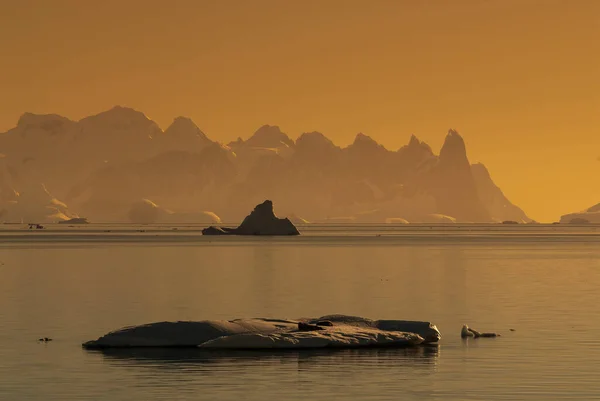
(261,221)
(45,339)
(308,327)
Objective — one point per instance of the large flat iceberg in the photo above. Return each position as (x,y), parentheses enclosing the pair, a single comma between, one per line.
(334,331)
(329,337)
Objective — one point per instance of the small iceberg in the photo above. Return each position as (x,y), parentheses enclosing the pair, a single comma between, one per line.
(334,331)
(467,332)
(262,221)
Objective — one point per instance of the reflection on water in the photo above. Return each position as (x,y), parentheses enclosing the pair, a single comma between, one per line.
(292,375)
(203,360)
(541,281)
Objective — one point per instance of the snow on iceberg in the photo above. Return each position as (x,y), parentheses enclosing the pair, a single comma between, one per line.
(329,331)
(343,336)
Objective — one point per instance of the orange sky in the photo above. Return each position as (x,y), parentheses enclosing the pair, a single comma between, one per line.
(519,79)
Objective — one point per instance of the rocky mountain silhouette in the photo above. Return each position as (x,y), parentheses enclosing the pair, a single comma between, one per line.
(452,184)
(102,164)
(493,198)
(183,134)
(589,215)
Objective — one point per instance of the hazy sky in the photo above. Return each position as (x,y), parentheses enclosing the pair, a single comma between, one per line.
(519,79)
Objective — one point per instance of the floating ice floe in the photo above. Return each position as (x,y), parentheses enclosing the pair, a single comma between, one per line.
(467,332)
(334,331)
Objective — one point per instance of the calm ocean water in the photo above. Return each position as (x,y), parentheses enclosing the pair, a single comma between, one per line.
(541,281)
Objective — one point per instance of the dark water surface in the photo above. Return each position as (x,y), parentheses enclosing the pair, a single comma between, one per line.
(73,286)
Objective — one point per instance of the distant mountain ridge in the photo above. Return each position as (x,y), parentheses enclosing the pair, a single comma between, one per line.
(102,164)
(589,215)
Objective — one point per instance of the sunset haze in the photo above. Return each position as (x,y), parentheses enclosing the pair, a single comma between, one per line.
(520,80)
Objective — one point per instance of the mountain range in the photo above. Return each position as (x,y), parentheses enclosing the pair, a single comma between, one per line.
(103,165)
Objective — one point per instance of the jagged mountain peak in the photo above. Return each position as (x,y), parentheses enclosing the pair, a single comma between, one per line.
(313,140)
(184,122)
(454,148)
(416,145)
(362,138)
(118,114)
(313,134)
(414,141)
(184,126)
(362,141)
(269,136)
(453,137)
(120,124)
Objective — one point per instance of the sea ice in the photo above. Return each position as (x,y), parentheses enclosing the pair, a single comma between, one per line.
(327,331)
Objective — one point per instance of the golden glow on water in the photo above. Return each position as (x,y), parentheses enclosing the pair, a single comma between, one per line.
(546,290)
